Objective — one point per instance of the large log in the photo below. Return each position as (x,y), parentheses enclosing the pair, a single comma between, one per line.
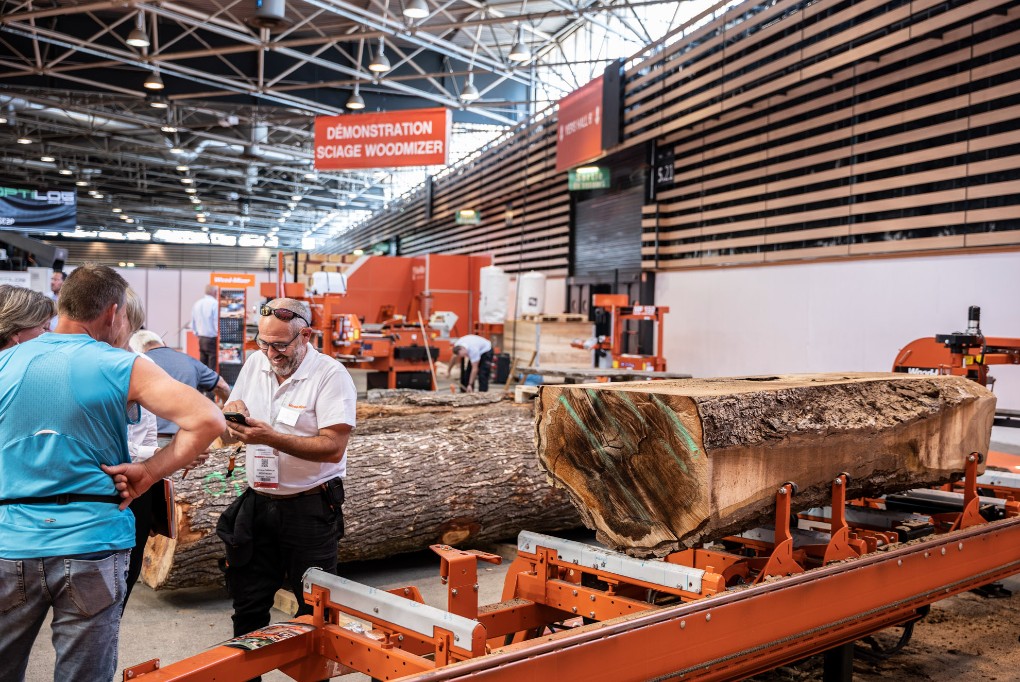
(658,466)
(431,468)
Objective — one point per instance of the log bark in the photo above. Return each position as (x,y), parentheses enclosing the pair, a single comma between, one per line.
(451,471)
(657,466)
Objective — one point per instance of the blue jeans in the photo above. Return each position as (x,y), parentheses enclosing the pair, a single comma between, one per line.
(85,593)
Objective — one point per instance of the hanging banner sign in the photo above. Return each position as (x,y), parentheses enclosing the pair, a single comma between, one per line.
(415,137)
(579,126)
(53,210)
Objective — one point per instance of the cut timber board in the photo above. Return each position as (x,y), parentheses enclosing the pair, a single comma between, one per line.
(656,466)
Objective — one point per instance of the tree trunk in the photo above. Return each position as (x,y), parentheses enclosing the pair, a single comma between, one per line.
(454,472)
(657,466)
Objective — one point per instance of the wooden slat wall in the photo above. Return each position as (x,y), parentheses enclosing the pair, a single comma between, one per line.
(800,129)
(834,129)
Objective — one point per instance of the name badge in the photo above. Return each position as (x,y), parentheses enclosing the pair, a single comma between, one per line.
(266,467)
(288,415)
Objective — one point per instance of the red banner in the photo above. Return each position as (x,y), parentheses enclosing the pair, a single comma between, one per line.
(579,126)
(415,137)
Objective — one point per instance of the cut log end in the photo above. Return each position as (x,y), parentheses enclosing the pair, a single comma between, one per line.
(657,466)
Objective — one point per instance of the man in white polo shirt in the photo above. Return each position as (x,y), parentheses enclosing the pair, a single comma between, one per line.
(299,411)
(477,351)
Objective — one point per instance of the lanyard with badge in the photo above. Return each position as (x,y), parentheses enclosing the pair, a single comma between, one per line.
(266,460)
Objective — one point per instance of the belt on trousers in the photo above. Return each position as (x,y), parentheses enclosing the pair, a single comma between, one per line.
(311,491)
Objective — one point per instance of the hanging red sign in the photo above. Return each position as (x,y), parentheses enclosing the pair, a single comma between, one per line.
(579,126)
(415,137)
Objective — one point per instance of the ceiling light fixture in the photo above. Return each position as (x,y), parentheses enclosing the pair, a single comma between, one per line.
(188,181)
(138,37)
(46,158)
(153,81)
(24,139)
(158,102)
(520,52)
(416,9)
(169,129)
(183,168)
(356,101)
(117,210)
(470,92)
(176,150)
(66,171)
(296,197)
(381,64)
(190,190)
(82,183)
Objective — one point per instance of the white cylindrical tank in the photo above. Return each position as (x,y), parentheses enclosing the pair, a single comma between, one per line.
(492,304)
(530,293)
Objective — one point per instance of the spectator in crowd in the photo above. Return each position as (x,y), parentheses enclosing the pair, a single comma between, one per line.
(298,407)
(142,445)
(24,315)
(180,366)
(56,282)
(66,478)
(205,323)
(475,355)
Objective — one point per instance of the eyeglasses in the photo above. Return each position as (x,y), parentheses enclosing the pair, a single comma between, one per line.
(280,346)
(281,314)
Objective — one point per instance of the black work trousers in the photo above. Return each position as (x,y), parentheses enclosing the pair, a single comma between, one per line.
(141,507)
(484,370)
(207,351)
(290,536)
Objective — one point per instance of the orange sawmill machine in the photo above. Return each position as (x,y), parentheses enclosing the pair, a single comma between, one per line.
(394,316)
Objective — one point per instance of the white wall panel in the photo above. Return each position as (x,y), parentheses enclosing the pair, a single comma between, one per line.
(162,304)
(826,317)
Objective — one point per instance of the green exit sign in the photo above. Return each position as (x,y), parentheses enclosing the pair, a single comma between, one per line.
(588,177)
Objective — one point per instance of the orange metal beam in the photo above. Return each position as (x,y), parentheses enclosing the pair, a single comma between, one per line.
(739,633)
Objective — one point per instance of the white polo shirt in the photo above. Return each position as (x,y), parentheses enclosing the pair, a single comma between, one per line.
(320,393)
(474,345)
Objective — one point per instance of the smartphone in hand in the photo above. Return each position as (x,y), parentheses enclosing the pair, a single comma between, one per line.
(236,418)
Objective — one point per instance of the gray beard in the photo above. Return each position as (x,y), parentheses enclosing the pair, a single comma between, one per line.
(291,366)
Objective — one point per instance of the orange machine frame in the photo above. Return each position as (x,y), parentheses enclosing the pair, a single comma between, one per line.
(612,617)
(620,311)
(966,354)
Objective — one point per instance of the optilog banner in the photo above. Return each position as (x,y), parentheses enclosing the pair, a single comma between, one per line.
(414,137)
(53,210)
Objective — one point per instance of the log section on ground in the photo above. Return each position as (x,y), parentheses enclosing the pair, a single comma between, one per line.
(658,466)
(435,468)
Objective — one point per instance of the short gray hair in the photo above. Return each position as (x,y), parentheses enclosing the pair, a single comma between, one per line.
(297,307)
(145,339)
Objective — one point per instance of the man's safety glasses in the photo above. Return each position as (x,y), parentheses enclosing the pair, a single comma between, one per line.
(279,347)
(281,314)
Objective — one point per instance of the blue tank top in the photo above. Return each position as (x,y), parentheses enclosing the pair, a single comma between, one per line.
(63,401)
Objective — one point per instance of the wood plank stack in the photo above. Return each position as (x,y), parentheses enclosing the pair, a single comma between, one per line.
(657,466)
(423,468)
(552,340)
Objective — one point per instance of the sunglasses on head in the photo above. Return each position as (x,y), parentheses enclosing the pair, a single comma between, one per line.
(281,314)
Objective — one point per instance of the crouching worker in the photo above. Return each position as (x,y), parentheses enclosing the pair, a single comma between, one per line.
(66,478)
